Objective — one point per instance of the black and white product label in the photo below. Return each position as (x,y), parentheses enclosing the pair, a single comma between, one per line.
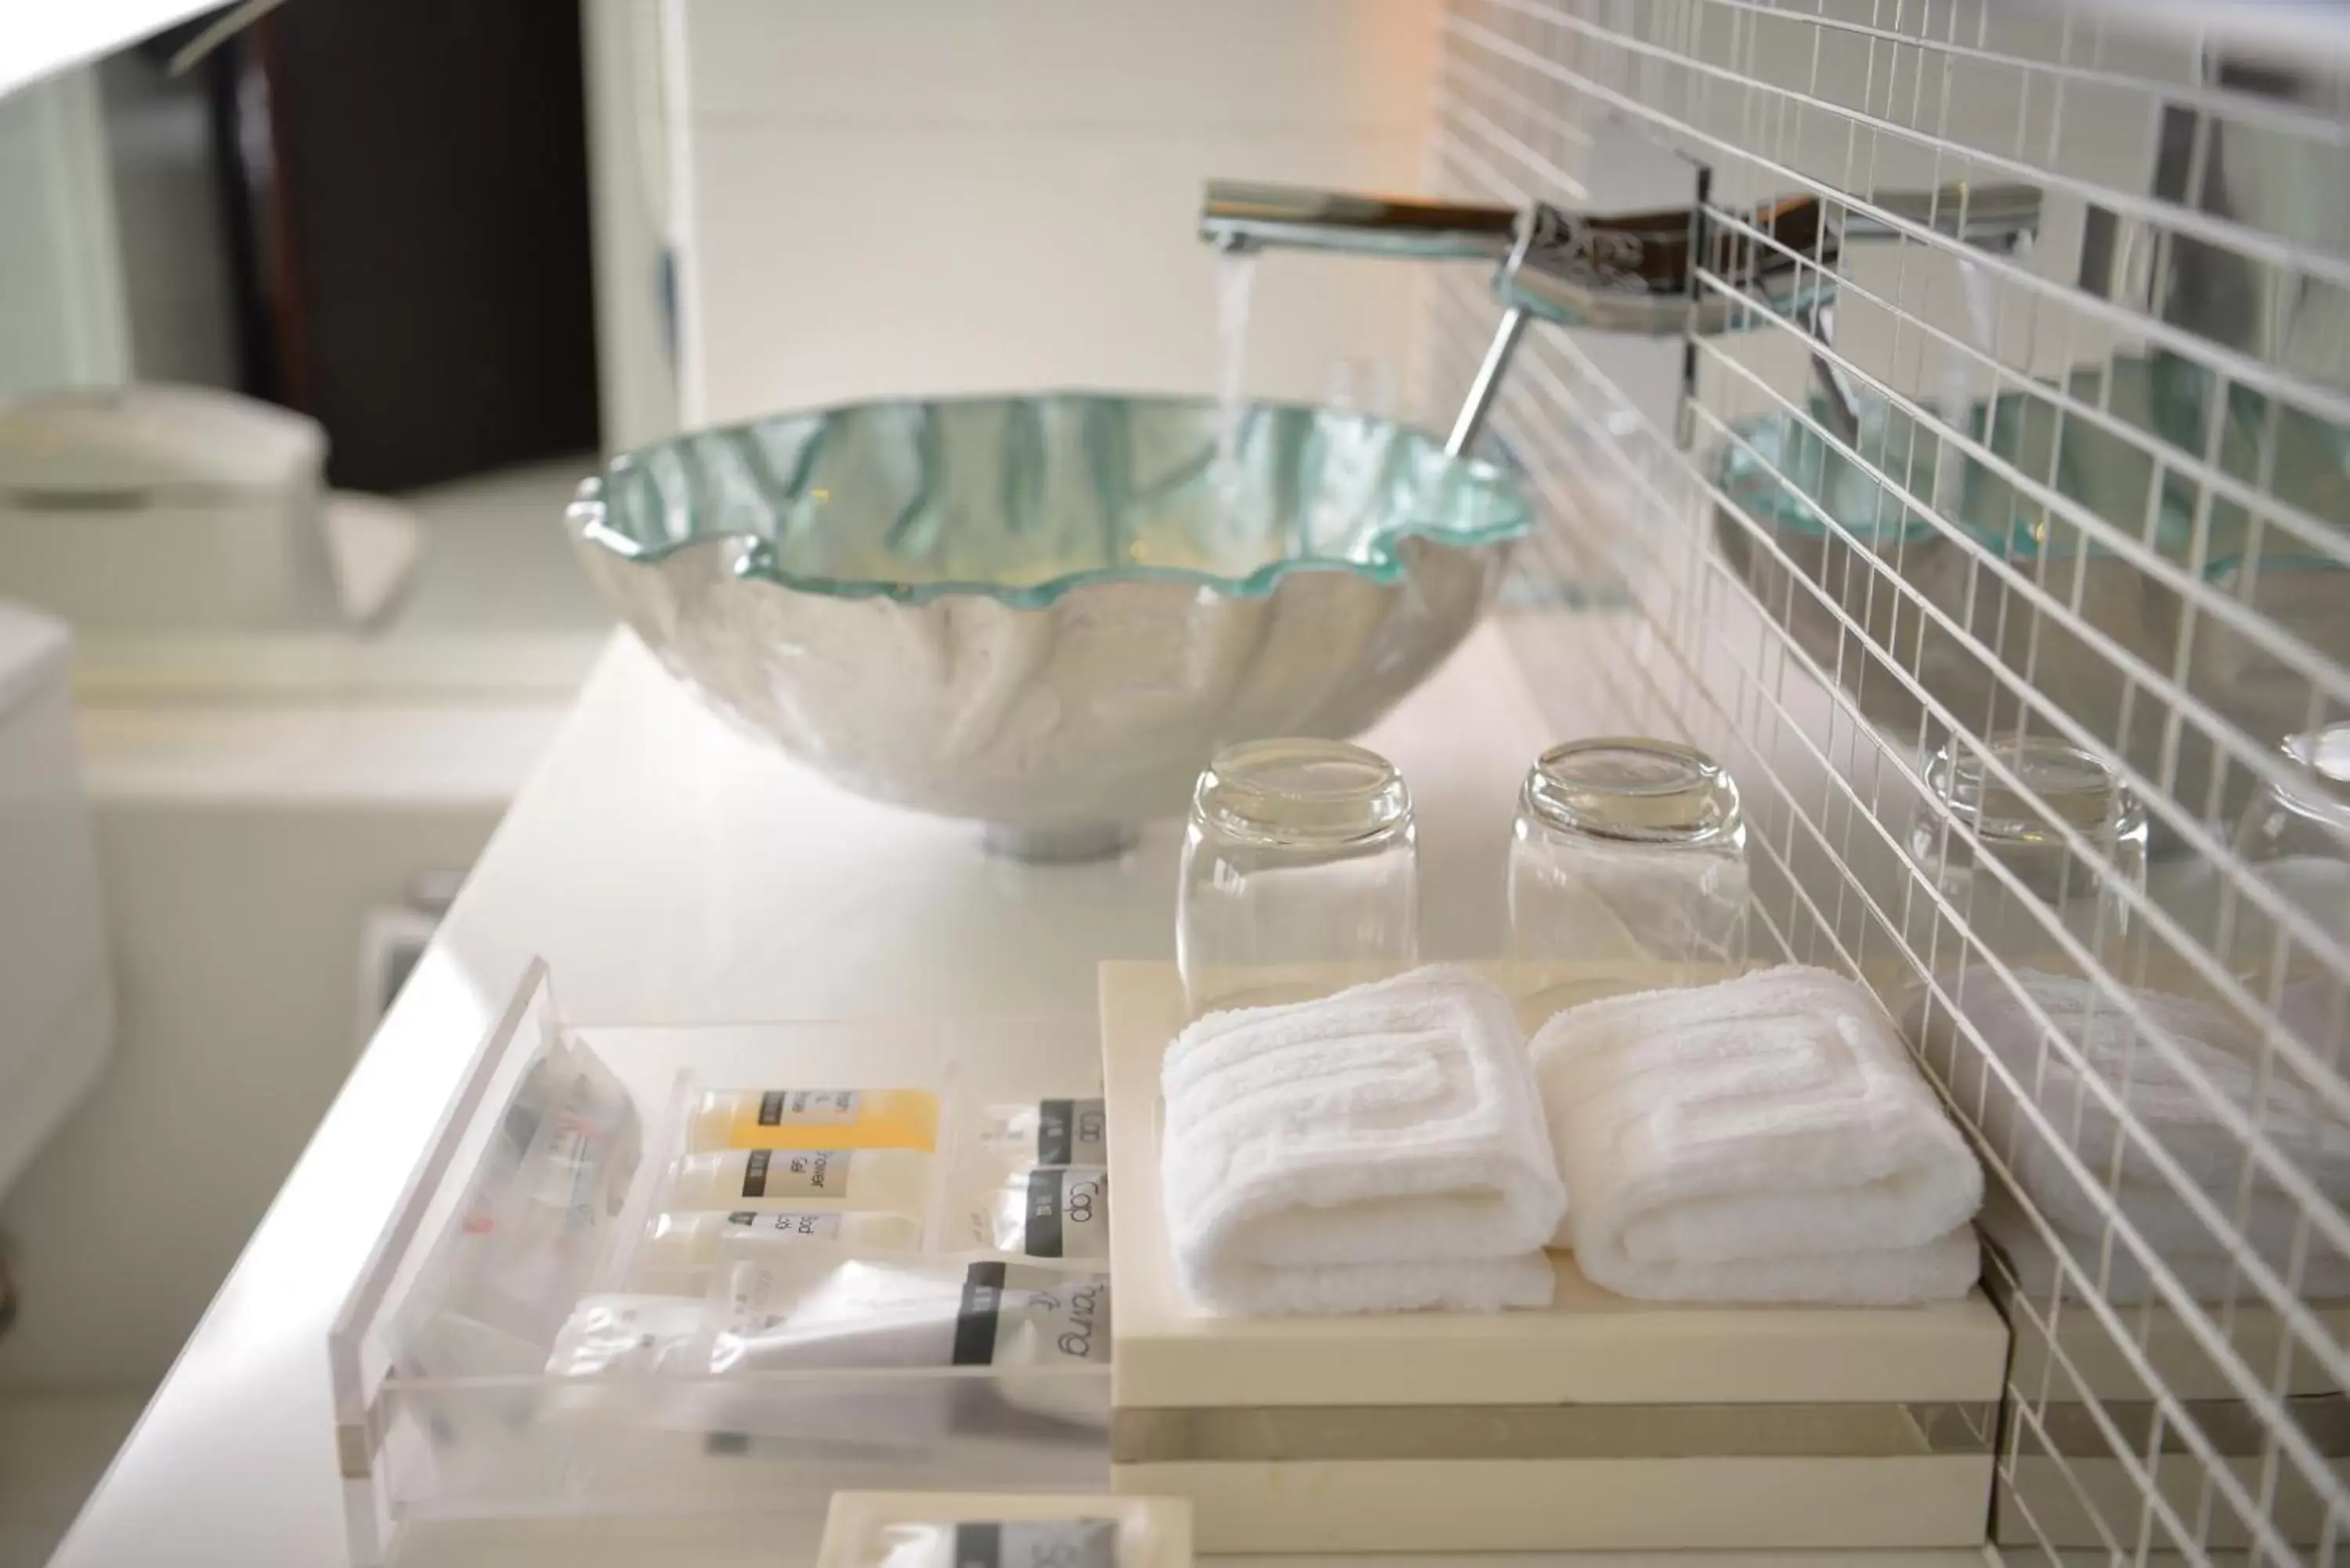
(807,1107)
(1068,1213)
(795,1225)
(795,1173)
(1037,1543)
(1013,1314)
(1072,1132)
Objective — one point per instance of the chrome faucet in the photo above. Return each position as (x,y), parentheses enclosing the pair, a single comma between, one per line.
(1637,272)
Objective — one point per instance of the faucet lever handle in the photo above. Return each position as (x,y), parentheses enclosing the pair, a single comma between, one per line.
(1627,273)
(1635,272)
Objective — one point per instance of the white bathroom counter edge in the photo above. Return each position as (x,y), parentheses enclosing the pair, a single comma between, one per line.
(672,871)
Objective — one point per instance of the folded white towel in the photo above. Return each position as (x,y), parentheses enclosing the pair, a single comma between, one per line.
(1378,1150)
(1765,1138)
(2205,1276)
(1345,1289)
(2142,1068)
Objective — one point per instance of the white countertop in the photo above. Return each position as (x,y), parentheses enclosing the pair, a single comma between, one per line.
(671,870)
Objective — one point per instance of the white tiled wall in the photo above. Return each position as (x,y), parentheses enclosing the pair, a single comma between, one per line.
(919,196)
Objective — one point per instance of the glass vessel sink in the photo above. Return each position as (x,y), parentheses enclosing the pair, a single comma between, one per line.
(1047,612)
(1811,511)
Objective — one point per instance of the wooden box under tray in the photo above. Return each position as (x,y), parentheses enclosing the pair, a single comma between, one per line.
(1598,1424)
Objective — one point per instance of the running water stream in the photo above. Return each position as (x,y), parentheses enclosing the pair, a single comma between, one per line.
(1235,282)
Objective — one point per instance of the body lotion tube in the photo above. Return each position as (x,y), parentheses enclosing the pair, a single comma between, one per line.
(809,1181)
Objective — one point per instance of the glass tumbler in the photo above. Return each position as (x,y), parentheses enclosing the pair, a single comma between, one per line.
(1627,871)
(2296,839)
(2304,825)
(2044,883)
(1301,875)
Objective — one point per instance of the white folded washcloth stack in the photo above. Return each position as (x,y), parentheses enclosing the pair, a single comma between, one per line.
(1378,1150)
(2147,1069)
(1762,1139)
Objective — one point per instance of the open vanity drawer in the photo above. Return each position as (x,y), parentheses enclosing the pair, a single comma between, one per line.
(439,1416)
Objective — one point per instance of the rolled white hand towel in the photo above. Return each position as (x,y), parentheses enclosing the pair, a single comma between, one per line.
(1378,1150)
(1766,1140)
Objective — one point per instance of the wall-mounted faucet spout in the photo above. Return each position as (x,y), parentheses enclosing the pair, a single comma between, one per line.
(1239,215)
(1657,273)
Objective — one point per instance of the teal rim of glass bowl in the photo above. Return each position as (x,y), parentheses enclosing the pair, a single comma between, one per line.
(1500,480)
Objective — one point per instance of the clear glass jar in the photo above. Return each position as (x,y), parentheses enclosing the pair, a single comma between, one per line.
(1301,875)
(1627,871)
(2048,882)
